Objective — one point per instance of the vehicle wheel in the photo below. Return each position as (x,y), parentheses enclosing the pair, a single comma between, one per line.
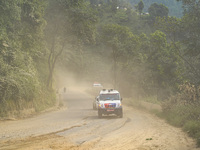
(99,114)
(121,114)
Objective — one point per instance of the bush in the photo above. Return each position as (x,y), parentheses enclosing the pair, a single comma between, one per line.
(193,129)
(182,110)
(21,89)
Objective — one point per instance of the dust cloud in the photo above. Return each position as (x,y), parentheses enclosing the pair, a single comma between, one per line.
(68,80)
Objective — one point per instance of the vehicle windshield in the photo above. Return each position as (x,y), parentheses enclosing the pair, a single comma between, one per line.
(109,97)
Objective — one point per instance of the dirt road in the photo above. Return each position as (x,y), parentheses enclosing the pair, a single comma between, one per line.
(78,128)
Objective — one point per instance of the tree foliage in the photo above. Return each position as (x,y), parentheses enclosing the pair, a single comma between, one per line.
(158,10)
(70,24)
(21,51)
(140,7)
(121,41)
(175,7)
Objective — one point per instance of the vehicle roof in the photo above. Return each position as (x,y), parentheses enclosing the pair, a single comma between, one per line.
(109,91)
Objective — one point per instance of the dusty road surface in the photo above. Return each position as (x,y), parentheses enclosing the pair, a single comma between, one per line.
(78,128)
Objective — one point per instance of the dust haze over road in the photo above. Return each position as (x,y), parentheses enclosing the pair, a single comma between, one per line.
(77,127)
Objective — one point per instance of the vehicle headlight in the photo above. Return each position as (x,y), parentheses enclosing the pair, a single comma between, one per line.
(119,105)
(101,105)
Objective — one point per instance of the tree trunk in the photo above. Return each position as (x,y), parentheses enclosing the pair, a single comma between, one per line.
(114,69)
(51,63)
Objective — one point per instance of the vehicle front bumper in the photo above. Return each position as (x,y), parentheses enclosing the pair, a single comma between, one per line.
(116,111)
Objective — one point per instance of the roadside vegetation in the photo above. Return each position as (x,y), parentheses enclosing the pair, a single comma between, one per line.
(182,110)
(22,58)
(143,49)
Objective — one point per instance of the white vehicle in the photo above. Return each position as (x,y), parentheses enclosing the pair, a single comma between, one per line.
(109,102)
(96,88)
(97,85)
(96,103)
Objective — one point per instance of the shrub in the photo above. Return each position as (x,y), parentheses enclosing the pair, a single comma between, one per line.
(182,110)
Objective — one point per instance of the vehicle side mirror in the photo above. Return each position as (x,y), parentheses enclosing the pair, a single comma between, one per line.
(121,99)
(97,99)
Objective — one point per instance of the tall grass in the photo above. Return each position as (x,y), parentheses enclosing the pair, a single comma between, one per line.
(24,108)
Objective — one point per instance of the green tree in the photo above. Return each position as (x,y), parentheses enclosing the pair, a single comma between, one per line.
(175,8)
(165,64)
(191,22)
(70,24)
(158,10)
(120,40)
(172,26)
(190,39)
(140,7)
(114,5)
(21,53)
